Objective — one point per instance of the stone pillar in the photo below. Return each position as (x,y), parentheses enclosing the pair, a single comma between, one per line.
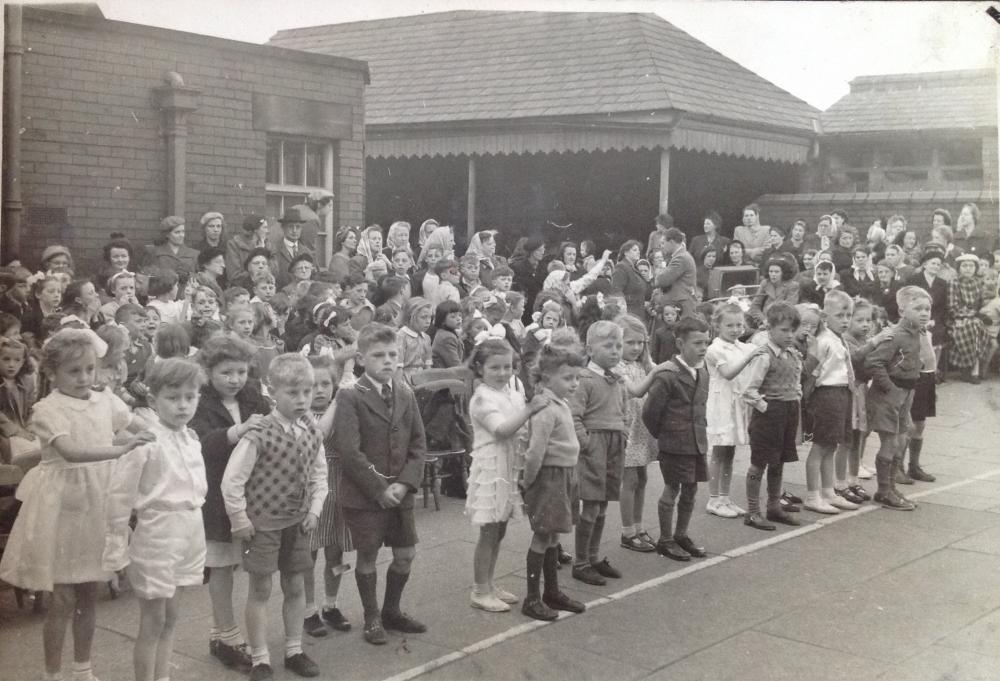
(176,101)
(664,179)
(471,204)
(12,208)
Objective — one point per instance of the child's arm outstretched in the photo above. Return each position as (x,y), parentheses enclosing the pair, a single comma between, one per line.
(75,453)
(505,425)
(730,371)
(641,387)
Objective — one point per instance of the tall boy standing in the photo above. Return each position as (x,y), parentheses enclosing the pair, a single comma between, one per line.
(273,488)
(675,414)
(598,407)
(379,436)
(773,389)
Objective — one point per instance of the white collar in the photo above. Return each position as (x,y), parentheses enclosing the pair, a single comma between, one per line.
(693,370)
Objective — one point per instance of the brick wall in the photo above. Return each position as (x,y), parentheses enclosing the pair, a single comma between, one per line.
(784,209)
(93,156)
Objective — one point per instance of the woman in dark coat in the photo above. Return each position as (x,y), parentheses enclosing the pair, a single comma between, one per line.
(626,281)
(528,273)
(927,278)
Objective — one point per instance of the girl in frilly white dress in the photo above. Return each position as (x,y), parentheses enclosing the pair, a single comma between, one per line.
(58,538)
(498,412)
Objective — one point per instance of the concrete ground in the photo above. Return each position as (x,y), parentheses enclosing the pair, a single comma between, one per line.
(870,594)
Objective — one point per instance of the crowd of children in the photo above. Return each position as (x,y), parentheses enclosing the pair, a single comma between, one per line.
(178,428)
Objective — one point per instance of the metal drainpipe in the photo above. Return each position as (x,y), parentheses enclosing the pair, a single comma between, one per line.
(12,207)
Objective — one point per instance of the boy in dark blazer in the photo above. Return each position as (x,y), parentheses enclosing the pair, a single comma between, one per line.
(674,413)
(379,436)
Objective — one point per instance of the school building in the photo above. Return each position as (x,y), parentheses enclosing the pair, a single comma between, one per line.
(525,121)
(119,124)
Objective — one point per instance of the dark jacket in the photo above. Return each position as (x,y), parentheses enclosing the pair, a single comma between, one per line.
(674,412)
(210,422)
(855,286)
(281,258)
(627,282)
(446,349)
(184,262)
(376,446)
(939,304)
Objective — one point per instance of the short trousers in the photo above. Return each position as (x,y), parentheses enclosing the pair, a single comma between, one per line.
(220,554)
(678,469)
(285,551)
(550,500)
(167,551)
(924,397)
(889,411)
(773,433)
(599,468)
(374,528)
(830,407)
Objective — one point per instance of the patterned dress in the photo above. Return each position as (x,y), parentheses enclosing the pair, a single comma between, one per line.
(965,329)
(497,461)
(641,448)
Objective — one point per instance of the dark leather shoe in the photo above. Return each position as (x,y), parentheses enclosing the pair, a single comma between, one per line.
(234,657)
(314,626)
(686,544)
(920,475)
(892,500)
(400,621)
(671,551)
(782,517)
(564,557)
(848,494)
(560,601)
(755,521)
(860,492)
(261,672)
(605,570)
(335,619)
(375,632)
(588,575)
(302,665)
(791,498)
(535,609)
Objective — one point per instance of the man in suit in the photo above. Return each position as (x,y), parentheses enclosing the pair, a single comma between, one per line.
(289,245)
(679,279)
(379,436)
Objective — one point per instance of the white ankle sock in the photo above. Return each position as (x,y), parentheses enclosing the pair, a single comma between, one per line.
(310,610)
(293,646)
(261,656)
(329,603)
(231,637)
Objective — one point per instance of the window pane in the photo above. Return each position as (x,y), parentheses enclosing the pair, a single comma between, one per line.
(315,166)
(273,172)
(294,154)
(273,207)
(961,153)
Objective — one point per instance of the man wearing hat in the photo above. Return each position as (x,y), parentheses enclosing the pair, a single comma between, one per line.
(318,205)
(289,246)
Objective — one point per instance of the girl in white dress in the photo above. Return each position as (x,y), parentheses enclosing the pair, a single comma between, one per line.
(165,483)
(498,412)
(58,538)
(726,413)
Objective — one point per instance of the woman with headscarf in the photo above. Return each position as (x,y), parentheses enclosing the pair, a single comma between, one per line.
(528,273)
(441,239)
(626,280)
(345,247)
(369,261)
(484,245)
(427,228)
(397,238)
(213,227)
(168,252)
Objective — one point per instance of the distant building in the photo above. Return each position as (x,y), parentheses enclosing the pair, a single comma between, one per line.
(512,120)
(903,143)
(124,124)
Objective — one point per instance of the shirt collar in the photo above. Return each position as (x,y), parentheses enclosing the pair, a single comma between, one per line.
(378,384)
(290,244)
(410,332)
(775,348)
(693,370)
(286,423)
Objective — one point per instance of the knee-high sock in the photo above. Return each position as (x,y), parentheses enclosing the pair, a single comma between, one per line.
(665,510)
(535,561)
(550,569)
(916,446)
(368,590)
(685,507)
(584,532)
(774,473)
(394,583)
(595,539)
(754,474)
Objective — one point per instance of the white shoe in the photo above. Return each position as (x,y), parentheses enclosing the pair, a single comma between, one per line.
(841,503)
(504,595)
(716,507)
(865,473)
(733,507)
(817,504)
(489,603)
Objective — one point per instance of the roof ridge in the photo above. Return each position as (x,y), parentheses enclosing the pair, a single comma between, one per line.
(653,67)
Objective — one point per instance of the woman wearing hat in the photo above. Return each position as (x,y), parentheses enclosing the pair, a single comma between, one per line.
(253,234)
(213,227)
(528,274)
(56,258)
(966,331)
(168,252)
(928,278)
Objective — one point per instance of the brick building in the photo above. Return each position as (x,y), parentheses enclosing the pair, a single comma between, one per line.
(124,123)
(903,143)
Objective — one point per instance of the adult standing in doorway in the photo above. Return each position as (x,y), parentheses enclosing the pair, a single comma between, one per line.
(679,279)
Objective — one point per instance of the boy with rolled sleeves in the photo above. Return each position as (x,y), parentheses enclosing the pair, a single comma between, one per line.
(273,488)
(598,407)
(773,388)
(675,414)
(378,436)
(894,367)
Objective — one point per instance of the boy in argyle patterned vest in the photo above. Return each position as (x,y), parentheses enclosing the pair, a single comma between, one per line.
(274,487)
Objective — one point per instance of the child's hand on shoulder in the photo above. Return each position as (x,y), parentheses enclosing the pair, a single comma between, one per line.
(882,336)
(251,426)
(310,523)
(537,403)
(663,366)
(758,351)
(141,438)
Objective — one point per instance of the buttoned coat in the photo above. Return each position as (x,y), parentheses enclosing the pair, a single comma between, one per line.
(377,446)
(674,412)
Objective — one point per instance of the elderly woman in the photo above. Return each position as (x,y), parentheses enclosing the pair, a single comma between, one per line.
(628,282)
(168,252)
(258,260)
(253,234)
(397,238)
(484,245)
(213,226)
(966,330)
(56,258)
(345,247)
